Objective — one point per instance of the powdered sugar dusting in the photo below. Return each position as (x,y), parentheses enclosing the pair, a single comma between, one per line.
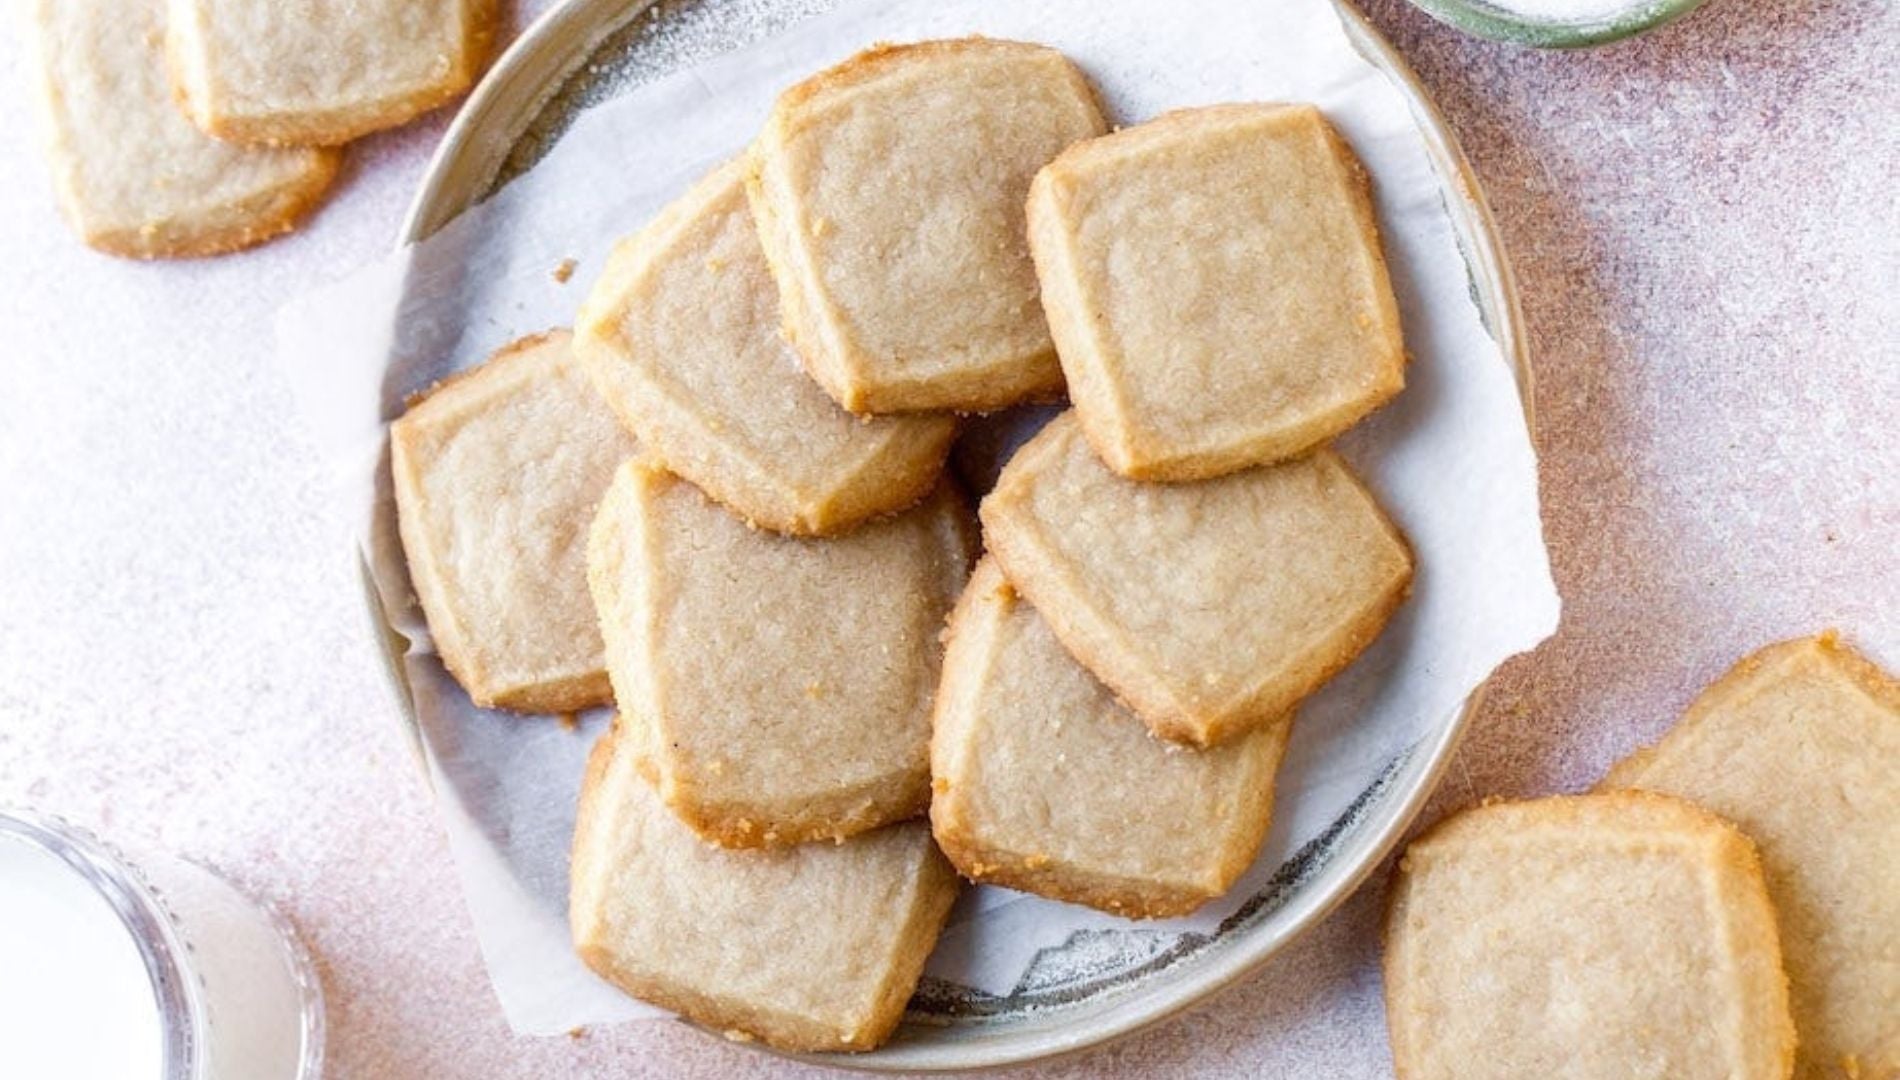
(669,35)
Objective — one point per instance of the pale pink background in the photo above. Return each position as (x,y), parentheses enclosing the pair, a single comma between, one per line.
(1704,225)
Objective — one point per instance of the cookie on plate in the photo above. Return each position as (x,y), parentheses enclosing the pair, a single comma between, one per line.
(133,176)
(889,196)
(1214,282)
(1043,782)
(814,947)
(1799,745)
(320,74)
(496,474)
(1585,937)
(788,681)
(682,336)
(1210,608)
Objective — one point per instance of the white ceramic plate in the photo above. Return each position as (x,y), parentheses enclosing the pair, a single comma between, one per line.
(1100,984)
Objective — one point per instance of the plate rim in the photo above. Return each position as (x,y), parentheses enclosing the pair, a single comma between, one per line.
(460,173)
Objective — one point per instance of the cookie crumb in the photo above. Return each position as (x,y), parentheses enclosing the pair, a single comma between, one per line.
(564,270)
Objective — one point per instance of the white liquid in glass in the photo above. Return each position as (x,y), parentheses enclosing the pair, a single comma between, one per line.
(1574,11)
(75,997)
(156,969)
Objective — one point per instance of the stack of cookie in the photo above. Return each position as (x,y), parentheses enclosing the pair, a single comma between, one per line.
(1179,552)
(723,499)
(193,127)
(1725,905)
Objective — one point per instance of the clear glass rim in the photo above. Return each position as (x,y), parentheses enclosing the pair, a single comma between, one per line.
(180,1007)
(1488,19)
(303,971)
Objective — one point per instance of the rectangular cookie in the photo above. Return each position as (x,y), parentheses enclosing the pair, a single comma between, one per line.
(321,73)
(1216,289)
(1799,745)
(1211,608)
(808,948)
(1043,782)
(1588,937)
(889,197)
(788,680)
(682,336)
(496,474)
(133,175)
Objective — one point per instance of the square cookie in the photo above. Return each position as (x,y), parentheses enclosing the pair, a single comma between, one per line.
(1590,937)
(1210,608)
(814,947)
(321,74)
(496,474)
(1214,282)
(682,336)
(1799,745)
(889,196)
(1043,782)
(133,176)
(788,681)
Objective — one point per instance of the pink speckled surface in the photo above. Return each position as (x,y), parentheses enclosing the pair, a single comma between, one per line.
(1703,224)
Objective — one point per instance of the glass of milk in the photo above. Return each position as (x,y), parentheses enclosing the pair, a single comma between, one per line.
(1556,24)
(157,969)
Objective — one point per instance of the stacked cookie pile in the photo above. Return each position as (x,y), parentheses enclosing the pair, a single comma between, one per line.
(721,502)
(179,128)
(1725,904)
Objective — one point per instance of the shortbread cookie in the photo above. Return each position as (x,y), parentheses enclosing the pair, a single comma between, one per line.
(134,176)
(1043,782)
(1594,937)
(1799,745)
(496,474)
(814,947)
(323,73)
(889,195)
(682,336)
(1216,290)
(1210,608)
(788,680)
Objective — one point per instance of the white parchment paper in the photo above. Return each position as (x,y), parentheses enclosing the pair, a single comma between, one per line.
(1451,458)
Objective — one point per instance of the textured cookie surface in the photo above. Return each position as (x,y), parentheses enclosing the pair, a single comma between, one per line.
(1043,782)
(889,194)
(813,947)
(318,72)
(788,680)
(496,474)
(1585,938)
(682,336)
(134,176)
(1214,282)
(1799,745)
(1210,608)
